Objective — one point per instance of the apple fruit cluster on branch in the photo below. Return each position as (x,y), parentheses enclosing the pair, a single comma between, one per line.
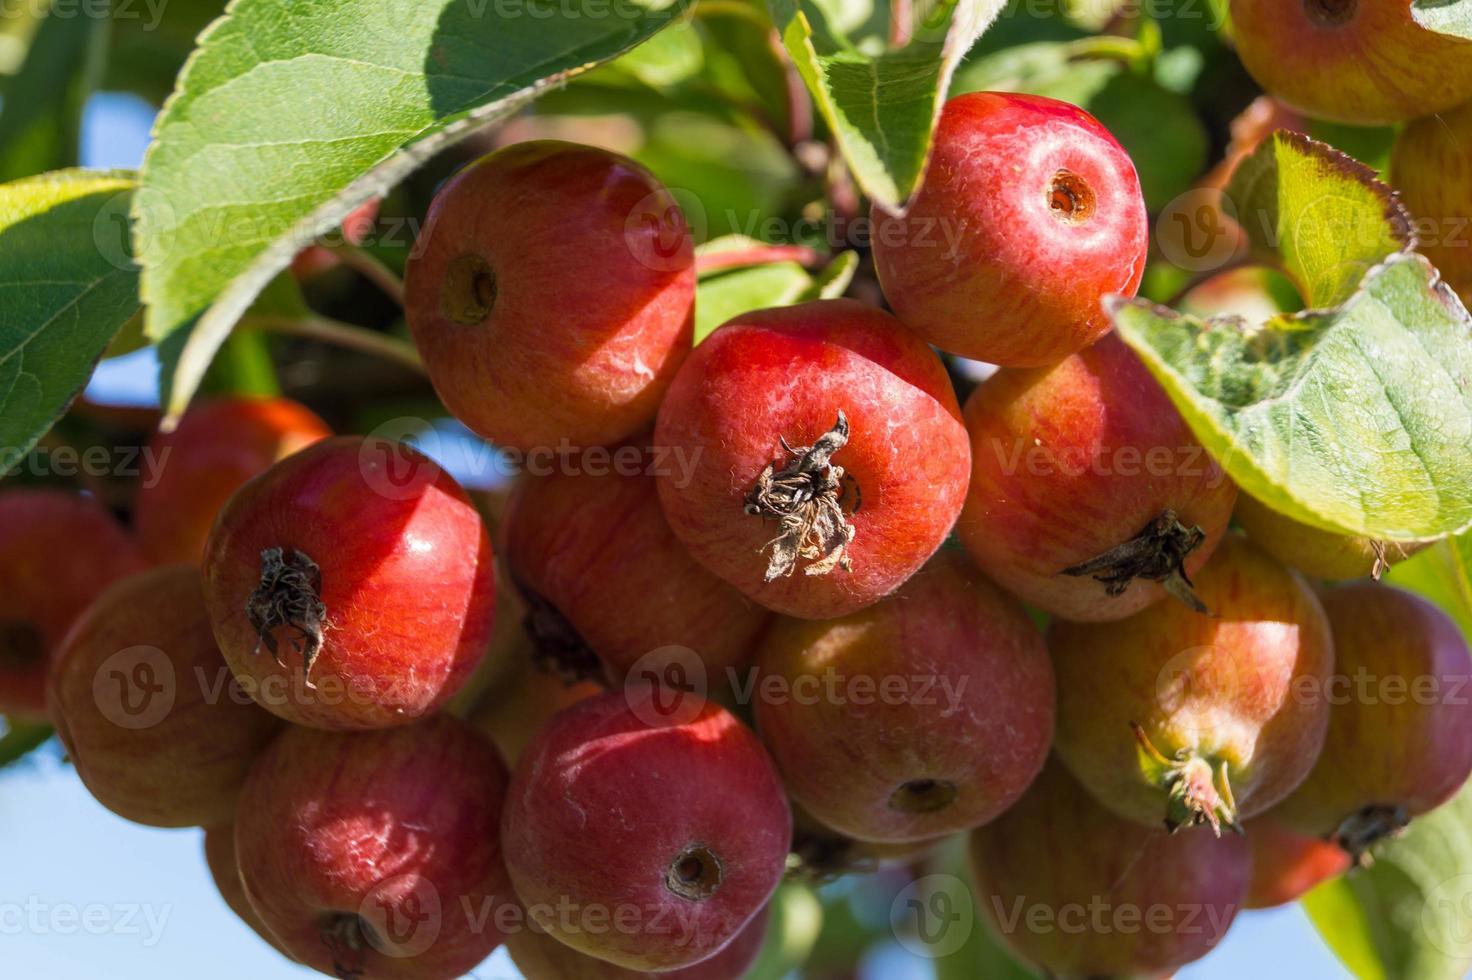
(797,597)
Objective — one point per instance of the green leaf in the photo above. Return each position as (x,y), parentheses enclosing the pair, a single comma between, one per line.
(882,107)
(1443,574)
(281,124)
(41,122)
(1410,913)
(67,285)
(20,740)
(1322,215)
(1357,420)
(731,294)
(835,278)
(1452,17)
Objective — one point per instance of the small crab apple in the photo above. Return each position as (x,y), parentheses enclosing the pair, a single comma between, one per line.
(1431,166)
(351,585)
(218,446)
(219,857)
(144,704)
(826,452)
(1313,551)
(1090,497)
(58,552)
(926,714)
(377,854)
(606,578)
(1400,722)
(1287,865)
(1030,214)
(1188,718)
(664,817)
(540,957)
(1365,62)
(1059,853)
(522,348)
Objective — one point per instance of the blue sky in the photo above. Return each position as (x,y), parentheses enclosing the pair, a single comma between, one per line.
(84,894)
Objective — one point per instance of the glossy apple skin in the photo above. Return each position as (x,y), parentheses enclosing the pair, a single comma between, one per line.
(392,831)
(1400,726)
(58,552)
(611,798)
(599,550)
(1068,463)
(1288,865)
(1431,166)
(1375,65)
(595,284)
(983,264)
(540,957)
(184,767)
(219,857)
(1059,851)
(972,707)
(217,448)
(787,373)
(408,583)
(1315,552)
(1240,687)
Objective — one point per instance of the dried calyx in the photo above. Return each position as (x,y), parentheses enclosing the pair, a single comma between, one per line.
(695,874)
(557,647)
(1363,829)
(289,598)
(346,936)
(805,496)
(1156,554)
(1198,792)
(21,644)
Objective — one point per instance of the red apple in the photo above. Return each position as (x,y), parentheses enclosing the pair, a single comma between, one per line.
(58,551)
(1431,166)
(925,714)
(351,585)
(1288,865)
(540,957)
(551,295)
(1313,551)
(148,711)
(218,446)
(1090,498)
(825,454)
(1030,214)
(376,854)
(518,711)
(1364,62)
(645,836)
(1079,892)
(1400,722)
(219,857)
(600,567)
(1187,718)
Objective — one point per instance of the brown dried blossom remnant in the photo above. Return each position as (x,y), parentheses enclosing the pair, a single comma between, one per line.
(289,598)
(1156,554)
(805,497)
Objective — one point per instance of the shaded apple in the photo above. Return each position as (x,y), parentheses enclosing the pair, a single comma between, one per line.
(1314,551)
(1431,166)
(148,710)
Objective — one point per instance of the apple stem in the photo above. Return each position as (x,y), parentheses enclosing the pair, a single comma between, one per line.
(805,497)
(1198,792)
(1156,554)
(822,857)
(289,597)
(20,644)
(1366,827)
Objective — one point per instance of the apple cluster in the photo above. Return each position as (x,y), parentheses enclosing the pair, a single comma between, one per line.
(827,619)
